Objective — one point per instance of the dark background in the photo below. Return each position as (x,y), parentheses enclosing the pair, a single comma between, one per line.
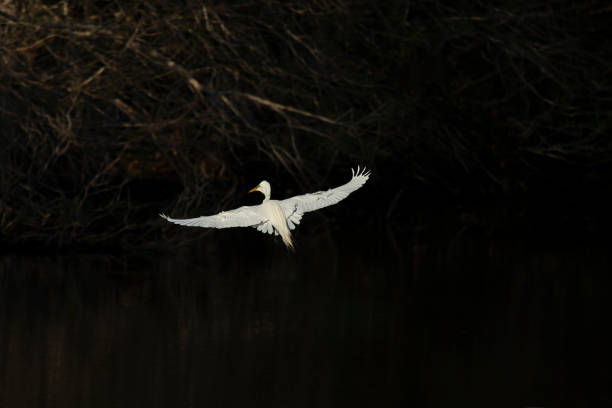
(473,269)
(234,320)
(487,114)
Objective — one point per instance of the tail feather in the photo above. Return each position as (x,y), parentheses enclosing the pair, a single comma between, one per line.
(279,221)
(286,237)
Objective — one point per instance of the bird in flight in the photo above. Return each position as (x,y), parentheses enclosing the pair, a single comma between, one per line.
(276,217)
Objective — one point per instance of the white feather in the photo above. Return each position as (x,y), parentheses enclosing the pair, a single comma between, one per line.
(274,216)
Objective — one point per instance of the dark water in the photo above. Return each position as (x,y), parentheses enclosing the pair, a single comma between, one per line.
(463,321)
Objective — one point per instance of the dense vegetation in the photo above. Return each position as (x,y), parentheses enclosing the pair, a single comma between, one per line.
(111,111)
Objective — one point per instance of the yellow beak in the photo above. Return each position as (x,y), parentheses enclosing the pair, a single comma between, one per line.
(253,189)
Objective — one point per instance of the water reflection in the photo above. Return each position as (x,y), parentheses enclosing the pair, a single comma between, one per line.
(455,322)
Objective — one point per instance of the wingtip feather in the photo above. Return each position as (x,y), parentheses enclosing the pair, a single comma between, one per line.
(361,172)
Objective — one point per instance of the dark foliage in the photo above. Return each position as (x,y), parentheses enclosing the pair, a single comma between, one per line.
(112,111)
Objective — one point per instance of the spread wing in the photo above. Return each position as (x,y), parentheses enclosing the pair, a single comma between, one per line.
(295,207)
(246,216)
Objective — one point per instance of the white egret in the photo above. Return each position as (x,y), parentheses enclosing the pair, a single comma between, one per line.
(276,217)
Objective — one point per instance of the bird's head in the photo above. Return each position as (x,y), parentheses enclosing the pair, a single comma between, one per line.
(264,188)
